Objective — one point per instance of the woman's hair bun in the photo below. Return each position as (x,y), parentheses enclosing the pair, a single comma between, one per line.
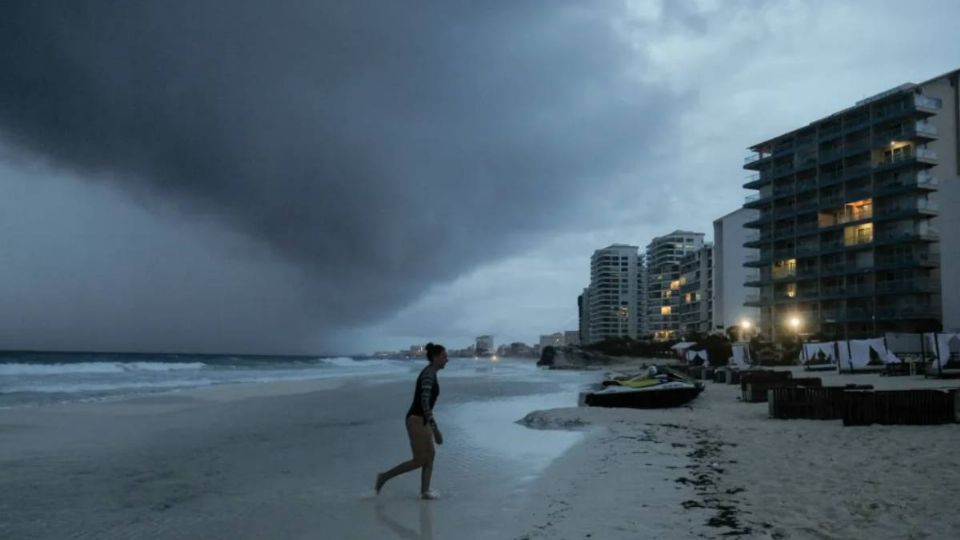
(429,346)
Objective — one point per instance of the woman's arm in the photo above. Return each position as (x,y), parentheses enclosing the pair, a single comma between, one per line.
(426,389)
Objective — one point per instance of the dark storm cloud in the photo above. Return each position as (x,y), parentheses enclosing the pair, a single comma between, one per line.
(380,146)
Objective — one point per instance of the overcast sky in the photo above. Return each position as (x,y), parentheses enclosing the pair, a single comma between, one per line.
(289,177)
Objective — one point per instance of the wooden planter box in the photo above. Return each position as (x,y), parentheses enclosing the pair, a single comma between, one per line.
(825,403)
(757,392)
(757,376)
(903,407)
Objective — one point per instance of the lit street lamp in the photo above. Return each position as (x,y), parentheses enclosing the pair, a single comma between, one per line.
(795,323)
(745,325)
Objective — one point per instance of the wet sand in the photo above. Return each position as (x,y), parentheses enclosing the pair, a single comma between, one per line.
(275,460)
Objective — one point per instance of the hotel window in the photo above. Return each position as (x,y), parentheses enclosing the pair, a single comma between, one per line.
(665,310)
(791,290)
(784,268)
(675,284)
(859,234)
(857,210)
(896,153)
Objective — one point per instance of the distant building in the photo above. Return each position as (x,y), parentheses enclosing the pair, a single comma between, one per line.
(859,214)
(662,290)
(613,297)
(560,339)
(583,312)
(696,291)
(643,319)
(518,350)
(551,340)
(485,345)
(730,292)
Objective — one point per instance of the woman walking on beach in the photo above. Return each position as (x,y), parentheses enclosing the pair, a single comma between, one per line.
(421,427)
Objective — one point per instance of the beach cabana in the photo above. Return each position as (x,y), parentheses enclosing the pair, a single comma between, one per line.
(820,355)
(869,355)
(741,356)
(680,349)
(945,350)
(693,355)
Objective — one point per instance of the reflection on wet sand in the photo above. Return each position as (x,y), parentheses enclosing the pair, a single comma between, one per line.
(401,531)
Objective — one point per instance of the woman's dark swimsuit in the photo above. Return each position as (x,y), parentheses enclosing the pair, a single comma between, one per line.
(425,397)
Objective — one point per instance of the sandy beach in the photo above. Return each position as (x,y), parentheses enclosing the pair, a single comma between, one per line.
(297,459)
(751,476)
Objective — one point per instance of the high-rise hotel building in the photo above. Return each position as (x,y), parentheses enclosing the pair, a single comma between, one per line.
(664,298)
(859,218)
(611,304)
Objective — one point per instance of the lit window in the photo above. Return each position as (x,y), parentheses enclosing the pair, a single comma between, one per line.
(859,234)
(858,210)
(784,268)
(665,310)
(675,284)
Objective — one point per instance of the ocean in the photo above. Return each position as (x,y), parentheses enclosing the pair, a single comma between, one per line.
(31,378)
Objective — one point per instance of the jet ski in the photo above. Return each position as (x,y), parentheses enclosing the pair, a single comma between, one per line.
(653,389)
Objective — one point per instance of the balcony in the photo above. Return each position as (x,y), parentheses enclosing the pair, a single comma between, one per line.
(921,130)
(906,286)
(754,240)
(907,312)
(921,101)
(850,315)
(917,155)
(922,207)
(853,124)
(805,186)
(787,234)
(922,180)
(829,132)
(782,170)
(896,237)
(755,224)
(921,260)
(847,291)
(755,180)
(754,157)
(918,103)
(755,260)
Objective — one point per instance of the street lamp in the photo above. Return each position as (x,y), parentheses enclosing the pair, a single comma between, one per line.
(745,325)
(794,323)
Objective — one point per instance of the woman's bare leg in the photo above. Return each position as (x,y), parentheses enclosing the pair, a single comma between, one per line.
(421,443)
(426,472)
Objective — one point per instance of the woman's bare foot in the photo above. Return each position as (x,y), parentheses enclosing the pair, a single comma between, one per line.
(430,495)
(380,481)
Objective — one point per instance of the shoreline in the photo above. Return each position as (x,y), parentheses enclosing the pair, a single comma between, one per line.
(247,460)
(278,459)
